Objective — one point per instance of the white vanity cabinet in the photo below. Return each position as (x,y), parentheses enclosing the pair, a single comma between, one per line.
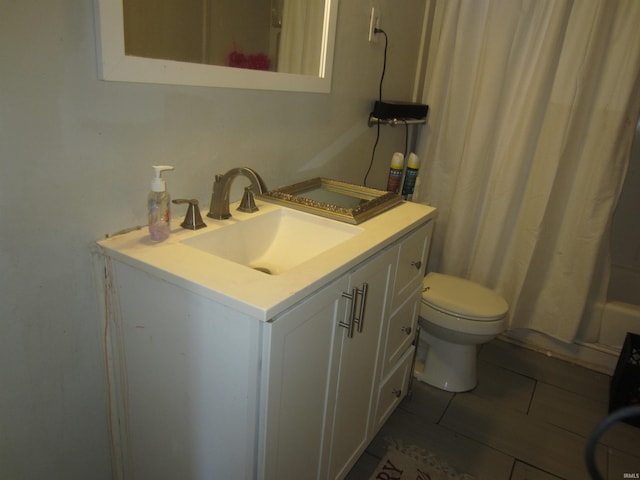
(331,388)
(321,378)
(201,387)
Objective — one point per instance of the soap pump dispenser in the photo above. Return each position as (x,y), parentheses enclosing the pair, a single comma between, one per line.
(159,205)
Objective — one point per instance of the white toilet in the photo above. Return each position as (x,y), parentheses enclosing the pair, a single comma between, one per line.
(456,315)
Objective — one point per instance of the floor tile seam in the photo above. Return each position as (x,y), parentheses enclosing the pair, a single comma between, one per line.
(555,427)
(507,409)
(469,435)
(607,463)
(446,408)
(538,363)
(533,394)
(561,427)
(506,449)
(544,427)
(535,417)
(510,369)
(513,468)
(580,393)
(371,454)
(537,467)
(496,445)
(506,452)
(604,472)
(505,406)
(542,365)
(585,392)
(420,418)
(612,448)
(477,441)
(527,412)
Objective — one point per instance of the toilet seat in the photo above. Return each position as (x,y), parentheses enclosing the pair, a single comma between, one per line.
(462,298)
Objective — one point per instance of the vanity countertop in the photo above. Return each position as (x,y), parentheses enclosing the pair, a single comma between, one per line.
(246,290)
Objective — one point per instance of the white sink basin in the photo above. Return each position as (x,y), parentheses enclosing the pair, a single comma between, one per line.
(274,242)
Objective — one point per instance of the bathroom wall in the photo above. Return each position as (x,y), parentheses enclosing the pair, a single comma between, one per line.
(75,157)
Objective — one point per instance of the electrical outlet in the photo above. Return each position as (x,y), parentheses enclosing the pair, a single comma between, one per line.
(374,22)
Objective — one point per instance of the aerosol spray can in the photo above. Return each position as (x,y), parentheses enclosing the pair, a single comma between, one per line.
(395,173)
(413,163)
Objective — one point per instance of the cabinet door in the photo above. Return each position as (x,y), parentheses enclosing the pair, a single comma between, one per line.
(356,370)
(296,384)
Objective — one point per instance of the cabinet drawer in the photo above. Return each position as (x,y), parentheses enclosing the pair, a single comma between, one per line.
(401,330)
(394,388)
(412,259)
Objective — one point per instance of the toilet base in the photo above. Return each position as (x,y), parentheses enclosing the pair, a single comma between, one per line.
(448,366)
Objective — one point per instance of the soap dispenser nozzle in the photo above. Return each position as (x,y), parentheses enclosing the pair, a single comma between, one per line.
(158,184)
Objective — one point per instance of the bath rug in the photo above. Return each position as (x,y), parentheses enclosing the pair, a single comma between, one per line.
(413,463)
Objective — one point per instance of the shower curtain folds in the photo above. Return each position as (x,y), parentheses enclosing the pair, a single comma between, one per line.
(533,108)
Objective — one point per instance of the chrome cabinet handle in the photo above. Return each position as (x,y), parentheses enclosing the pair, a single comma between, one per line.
(407,330)
(352,312)
(363,302)
(416,264)
(397,392)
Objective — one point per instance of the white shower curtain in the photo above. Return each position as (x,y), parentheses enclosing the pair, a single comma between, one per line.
(300,48)
(533,104)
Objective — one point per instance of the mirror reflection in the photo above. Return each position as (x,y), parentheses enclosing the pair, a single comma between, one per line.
(271,35)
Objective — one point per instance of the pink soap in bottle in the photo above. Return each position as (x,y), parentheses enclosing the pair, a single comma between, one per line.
(159,206)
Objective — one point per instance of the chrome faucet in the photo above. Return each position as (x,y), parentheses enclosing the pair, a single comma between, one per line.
(219,208)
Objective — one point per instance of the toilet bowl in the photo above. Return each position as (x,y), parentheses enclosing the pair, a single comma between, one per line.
(456,315)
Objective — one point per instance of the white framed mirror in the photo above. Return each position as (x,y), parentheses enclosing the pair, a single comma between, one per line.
(297,48)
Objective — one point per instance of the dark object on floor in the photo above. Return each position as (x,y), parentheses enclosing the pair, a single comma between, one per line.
(625,384)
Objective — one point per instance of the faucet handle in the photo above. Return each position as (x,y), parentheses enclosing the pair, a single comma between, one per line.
(248,203)
(193,219)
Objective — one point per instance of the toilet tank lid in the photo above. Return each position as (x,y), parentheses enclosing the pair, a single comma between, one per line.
(463,297)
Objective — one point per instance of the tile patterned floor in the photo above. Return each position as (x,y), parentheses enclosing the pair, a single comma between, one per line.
(528,418)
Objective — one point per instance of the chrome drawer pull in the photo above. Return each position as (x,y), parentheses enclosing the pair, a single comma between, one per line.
(417,264)
(363,302)
(407,330)
(397,392)
(352,312)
